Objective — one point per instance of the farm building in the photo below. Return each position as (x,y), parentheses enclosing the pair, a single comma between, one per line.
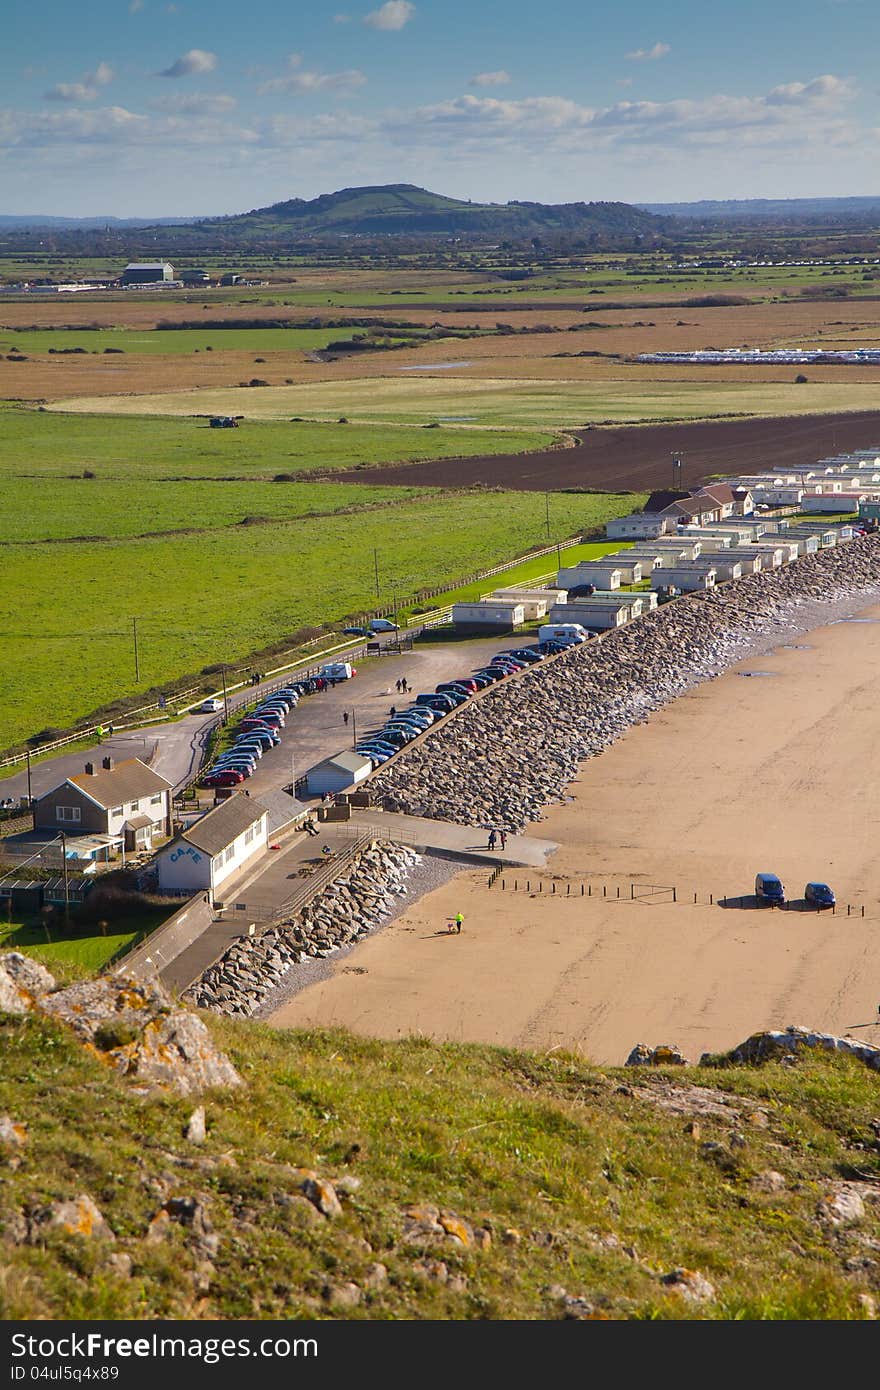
(217,846)
(126,802)
(147,272)
(498,615)
(592,613)
(638,525)
(687,576)
(338,773)
(195,277)
(597,572)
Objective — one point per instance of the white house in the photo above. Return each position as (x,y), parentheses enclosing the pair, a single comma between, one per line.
(751,561)
(216,847)
(639,525)
(632,570)
(126,802)
(338,773)
(727,566)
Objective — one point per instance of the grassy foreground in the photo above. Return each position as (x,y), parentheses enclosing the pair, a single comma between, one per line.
(585,1179)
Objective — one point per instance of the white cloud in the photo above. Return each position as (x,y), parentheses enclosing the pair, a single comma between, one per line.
(86,90)
(196,61)
(641,55)
(394,14)
(300,80)
(198,104)
(490,79)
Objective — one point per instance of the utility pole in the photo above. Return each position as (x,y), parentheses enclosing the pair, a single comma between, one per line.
(376,570)
(134,629)
(64,868)
(225,696)
(547,509)
(676,470)
(354,728)
(30,795)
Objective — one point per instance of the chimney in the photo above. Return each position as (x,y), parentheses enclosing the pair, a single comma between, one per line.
(90,769)
(108,764)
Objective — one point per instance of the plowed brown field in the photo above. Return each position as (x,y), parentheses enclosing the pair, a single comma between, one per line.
(640,458)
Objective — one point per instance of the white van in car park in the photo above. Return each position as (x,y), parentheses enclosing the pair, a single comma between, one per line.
(337,671)
(562,632)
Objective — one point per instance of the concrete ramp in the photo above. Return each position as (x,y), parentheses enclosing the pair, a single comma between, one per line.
(464,842)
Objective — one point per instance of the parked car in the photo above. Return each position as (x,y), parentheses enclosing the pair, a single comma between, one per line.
(268,737)
(431,715)
(769,890)
(397,736)
(256,722)
(276,703)
(528,654)
(551,647)
(381,744)
(422,717)
(245,744)
(492,673)
(356,632)
(376,755)
(212,706)
(819,895)
(467,683)
(435,701)
(272,717)
(508,659)
(455,694)
(335,671)
(223,777)
(454,688)
(482,680)
(383,625)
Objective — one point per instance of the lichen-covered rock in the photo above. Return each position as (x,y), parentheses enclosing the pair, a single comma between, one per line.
(689,1284)
(134,1026)
(13,1135)
(842,1205)
(23,982)
(319,1191)
(773,1046)
(665,1055)
(77,1217)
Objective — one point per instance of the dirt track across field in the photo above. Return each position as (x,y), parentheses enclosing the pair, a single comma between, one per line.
(639,458)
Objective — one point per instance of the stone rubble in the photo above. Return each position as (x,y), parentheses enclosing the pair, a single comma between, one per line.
(508,754)
(344,912)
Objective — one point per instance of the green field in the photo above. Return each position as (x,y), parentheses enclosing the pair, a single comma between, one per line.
(60,444)
(159,341)
(420,397)
(102,508)
(65,631)
(78,949)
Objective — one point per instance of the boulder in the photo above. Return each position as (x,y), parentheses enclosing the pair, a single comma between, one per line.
(23,983)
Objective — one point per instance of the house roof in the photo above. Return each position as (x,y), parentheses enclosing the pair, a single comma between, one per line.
(692,506)
(348,762)
(719,492)
(283,810)
(659,501)
(215,831)
(125,782)
(137,823)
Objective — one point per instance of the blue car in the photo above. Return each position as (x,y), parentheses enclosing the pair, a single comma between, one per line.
(819,895)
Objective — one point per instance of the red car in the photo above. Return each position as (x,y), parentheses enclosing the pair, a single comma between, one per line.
(227,778)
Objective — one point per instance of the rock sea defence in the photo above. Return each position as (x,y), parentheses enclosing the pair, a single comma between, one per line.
(507,754)
(345,911)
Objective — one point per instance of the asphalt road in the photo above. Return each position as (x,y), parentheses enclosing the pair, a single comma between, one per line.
(315,730)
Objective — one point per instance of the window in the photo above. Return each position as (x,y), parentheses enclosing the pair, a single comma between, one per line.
(67,813)
(117,810)
(249,835)
(229,854)
(156,800)
(135,806)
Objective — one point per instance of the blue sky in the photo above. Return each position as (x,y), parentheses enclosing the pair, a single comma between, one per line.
(145,107)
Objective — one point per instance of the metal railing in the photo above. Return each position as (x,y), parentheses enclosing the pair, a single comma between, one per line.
(261,909)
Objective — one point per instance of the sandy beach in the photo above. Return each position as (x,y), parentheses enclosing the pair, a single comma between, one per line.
(770,771)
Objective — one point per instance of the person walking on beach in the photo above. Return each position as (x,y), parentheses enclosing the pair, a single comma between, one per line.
(458,923)
(397,683)
(404,686)
(345,716)
(504,839)
(492,838)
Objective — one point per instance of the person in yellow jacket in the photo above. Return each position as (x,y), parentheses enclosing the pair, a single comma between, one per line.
(458,921)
